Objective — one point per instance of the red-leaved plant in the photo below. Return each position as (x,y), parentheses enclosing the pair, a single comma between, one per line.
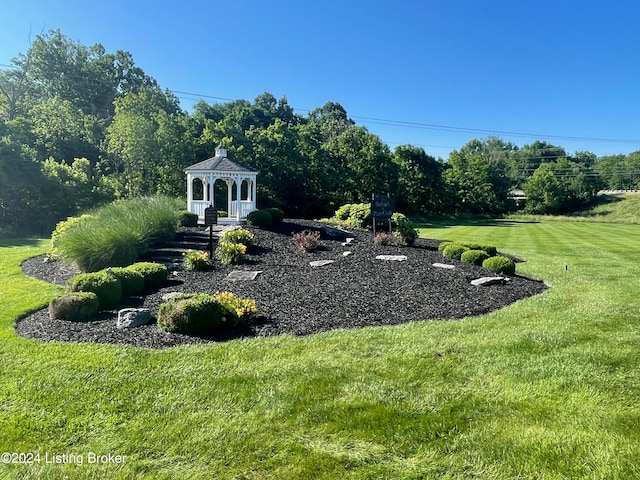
(306,241)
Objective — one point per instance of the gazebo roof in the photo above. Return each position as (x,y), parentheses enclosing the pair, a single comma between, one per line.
(220,164)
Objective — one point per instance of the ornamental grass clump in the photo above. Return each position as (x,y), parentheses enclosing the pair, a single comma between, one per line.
(500,264)
(239,235)
(117,234)
(231,253)
(196,260)
(307,240)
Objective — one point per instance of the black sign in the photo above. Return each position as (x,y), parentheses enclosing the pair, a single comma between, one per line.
(382,208)
(210,216)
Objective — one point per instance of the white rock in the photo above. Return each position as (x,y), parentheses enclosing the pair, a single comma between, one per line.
(393,258)
(486,281)
(443,265)
(347,253)
(320,263)
(133,317)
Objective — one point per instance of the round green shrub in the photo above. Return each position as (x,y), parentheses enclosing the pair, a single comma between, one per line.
(443,245)
(132,281)
(490,249)
(107,287)
(75,307)
(474,256)
(277,214)
(193,314)
(454,251)
(154,274)
(187,219)
(500,264)
(260,218)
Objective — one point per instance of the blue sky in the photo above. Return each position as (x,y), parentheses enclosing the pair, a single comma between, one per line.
(422,72)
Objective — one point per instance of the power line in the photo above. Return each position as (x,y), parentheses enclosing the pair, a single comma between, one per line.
(449,128)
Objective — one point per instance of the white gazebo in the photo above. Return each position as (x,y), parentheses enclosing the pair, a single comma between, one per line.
(241,187)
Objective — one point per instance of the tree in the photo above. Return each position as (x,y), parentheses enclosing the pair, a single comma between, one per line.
(364,165)
(477,176)
(420,185)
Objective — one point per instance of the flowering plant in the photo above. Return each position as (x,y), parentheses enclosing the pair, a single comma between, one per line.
(242,308)
(306,241)
(228,252)
(386,239)
(196,260)
(239,235)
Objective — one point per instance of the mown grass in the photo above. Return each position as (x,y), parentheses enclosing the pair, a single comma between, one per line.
(615,208)
(545,388)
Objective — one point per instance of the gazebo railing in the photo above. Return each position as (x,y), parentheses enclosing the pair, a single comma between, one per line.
(246,207)
(198,206)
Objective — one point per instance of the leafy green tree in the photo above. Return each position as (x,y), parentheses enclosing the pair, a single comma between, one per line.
(478,176)
(421,188)
(365,165)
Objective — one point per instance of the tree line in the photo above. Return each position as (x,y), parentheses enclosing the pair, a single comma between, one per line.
(80,127)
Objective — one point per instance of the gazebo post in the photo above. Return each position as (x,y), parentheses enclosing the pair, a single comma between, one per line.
(238,202)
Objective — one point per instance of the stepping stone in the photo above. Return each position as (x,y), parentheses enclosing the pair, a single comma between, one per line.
(486,281)
(348,241)
(236,275)
(320,263)
(443,265)
(393,258)
(346,254)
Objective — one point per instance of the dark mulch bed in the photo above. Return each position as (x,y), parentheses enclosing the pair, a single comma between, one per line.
(295,298)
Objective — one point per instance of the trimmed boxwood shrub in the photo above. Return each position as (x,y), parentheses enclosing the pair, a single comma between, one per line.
(188,219)
(107,287)
(490,249)
(277,215)
(132,281)
(500,264)
(454,250)
(192,314)
(474,256)
(154,274)
(75,307)
(260,218)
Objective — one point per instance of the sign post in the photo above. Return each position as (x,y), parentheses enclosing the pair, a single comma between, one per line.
(382,208)
(210,219)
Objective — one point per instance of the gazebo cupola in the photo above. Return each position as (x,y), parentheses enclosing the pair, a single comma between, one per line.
(241,187)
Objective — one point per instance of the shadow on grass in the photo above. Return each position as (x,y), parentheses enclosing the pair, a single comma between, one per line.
(19,242)
(463,222)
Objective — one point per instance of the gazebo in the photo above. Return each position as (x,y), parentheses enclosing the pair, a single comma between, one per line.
(241,187)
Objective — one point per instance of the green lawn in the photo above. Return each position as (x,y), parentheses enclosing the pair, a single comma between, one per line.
(546,388)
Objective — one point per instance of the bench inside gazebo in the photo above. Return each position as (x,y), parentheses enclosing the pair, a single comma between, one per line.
(241,188)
